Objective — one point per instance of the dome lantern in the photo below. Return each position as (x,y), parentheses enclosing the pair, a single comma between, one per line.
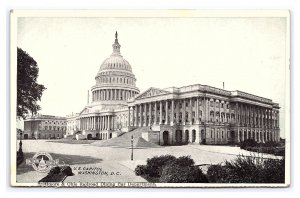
(116,46)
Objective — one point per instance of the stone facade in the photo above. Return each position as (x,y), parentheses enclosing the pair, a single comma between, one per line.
(205,115)
(44,127)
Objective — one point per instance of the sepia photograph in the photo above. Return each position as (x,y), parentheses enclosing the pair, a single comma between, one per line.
(150,98)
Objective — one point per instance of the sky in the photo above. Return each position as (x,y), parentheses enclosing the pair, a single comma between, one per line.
(247,54)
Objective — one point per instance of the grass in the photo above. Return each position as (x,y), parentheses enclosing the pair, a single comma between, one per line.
(66,159)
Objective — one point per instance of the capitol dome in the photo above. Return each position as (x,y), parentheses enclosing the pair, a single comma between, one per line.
(115,82)
(115,61)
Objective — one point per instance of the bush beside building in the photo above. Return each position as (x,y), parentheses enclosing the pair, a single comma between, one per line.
(169,169)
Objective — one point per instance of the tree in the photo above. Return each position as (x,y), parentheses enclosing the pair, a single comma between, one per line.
(29,92)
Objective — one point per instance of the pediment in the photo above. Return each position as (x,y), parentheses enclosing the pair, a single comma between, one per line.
(152,92)
(84,111)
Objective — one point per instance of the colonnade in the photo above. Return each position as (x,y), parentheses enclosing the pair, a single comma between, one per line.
(97,123)
(112,94)
(258,135)
(196,110)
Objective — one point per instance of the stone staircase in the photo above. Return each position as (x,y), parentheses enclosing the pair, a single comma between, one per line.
(124,140)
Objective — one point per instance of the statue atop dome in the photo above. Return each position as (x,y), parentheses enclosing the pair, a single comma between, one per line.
(116,45)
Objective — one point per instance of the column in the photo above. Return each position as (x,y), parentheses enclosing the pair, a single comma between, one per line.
(141,115)
(167,113)
(150,114)
(145,113)
(183,112)
(103,123)
(191,111)
(87,123)
(214,103)
(80,124)
(133,116)
(136,115)
(155,112)
(92,123)
(128,116)
(95,123)
(172,112)
(160,112)
(115,98)
(204,117)
(108,123)
(90,120)
(197,111)
(177,111)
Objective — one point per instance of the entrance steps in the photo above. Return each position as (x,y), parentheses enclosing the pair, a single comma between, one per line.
(124,140)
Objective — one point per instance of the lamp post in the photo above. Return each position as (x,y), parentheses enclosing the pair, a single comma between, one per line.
(20,143)
(131,147)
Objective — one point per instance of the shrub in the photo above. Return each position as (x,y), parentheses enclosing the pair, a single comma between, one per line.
(140,170)
(54,170)
(167,168)
(217,174)
(274,171)
(185,161)
(247,170)
(175,173)
(57,174)
(67,171)
(156,164)
(270,144)
(248,143)
(20,157)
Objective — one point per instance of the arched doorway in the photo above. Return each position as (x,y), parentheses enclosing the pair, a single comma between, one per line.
(98,136)
(89,136)
(165,138)
(25,136)
(203,137)
(178,137)
(110,135)
(187,136)
(193,135)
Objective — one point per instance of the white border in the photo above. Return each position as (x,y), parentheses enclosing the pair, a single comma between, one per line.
(144,13)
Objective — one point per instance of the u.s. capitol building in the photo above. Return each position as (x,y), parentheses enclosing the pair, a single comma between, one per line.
(176,115)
